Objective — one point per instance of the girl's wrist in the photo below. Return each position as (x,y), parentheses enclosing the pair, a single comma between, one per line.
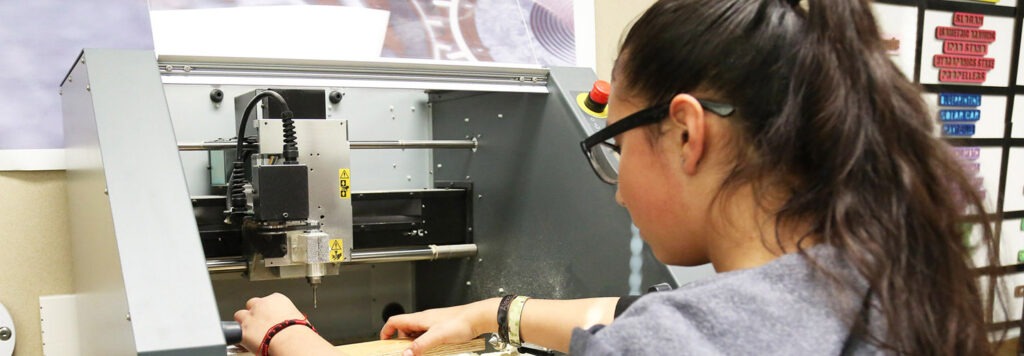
(286,339)
(484,314)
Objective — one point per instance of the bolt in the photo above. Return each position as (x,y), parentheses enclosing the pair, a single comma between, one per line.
(394,165)
(106,192)
(500,116)
(168,68)
(481,259)
(408,178)
(467,119)
(469,229)
(501,290)
(392,108)
(88,87)
(5,333)
(467,177)
(438,165)
(412,108)
(285,215)
(83,60)
(187,68)
(216,95)
(128,317)
(468,283)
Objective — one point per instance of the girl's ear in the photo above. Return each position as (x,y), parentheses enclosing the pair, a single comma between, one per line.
(686,117)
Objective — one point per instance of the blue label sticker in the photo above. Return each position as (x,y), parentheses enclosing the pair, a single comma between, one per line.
(958,130)
(960,115)
(953,99)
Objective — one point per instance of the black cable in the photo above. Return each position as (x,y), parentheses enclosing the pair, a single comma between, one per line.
(236,191)
(248,111)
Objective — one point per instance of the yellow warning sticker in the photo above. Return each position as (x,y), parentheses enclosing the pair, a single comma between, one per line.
(344,180)
(337,250)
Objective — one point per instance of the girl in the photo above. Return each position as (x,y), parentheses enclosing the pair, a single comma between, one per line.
(782,145)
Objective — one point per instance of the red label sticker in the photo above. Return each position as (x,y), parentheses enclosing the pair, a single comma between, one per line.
(965,34)
(964,62)
(964,48)
(961,76)
(968,19)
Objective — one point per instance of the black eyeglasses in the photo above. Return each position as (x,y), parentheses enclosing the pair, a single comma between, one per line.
(608,171)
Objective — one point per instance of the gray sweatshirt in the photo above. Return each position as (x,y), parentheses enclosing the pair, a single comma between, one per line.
(782,308)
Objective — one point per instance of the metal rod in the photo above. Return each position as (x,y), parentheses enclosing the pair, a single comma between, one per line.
(429,253)
(226,265)
(356,145)
(402,144)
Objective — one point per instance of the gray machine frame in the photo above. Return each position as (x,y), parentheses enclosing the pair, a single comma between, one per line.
(543,224)
(141,283)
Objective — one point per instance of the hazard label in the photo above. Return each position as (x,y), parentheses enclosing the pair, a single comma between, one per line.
(344,181)
(337,250)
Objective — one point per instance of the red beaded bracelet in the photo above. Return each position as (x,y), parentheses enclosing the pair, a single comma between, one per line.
(265,345)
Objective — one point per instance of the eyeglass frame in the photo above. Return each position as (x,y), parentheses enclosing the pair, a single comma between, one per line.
(643,117)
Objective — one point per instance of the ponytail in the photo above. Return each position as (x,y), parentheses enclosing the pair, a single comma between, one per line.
(830,118)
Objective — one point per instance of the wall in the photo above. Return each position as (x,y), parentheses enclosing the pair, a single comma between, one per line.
(35,255)
(612,18)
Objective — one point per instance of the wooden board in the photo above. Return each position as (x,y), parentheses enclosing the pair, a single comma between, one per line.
(395,347)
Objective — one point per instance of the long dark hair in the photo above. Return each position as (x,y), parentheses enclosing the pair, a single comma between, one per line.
(829,118)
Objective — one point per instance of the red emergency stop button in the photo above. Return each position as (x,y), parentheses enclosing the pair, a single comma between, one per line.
(597,100)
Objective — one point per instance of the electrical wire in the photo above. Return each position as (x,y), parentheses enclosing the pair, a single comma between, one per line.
(236,188)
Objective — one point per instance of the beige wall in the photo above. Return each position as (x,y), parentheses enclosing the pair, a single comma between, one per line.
(612,17)
(35,252)
(35,255)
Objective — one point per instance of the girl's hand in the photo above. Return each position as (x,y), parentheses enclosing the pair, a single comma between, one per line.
(443,326)
(262,313)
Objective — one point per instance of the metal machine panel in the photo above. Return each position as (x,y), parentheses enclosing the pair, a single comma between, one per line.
(323,147)
(140,275)
(387,115)
(545,225)
(372,114)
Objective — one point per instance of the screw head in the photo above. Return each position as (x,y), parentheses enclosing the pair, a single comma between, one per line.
(335,97)
(5,333)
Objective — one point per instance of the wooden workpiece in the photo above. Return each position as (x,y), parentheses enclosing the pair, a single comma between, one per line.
(395,347)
